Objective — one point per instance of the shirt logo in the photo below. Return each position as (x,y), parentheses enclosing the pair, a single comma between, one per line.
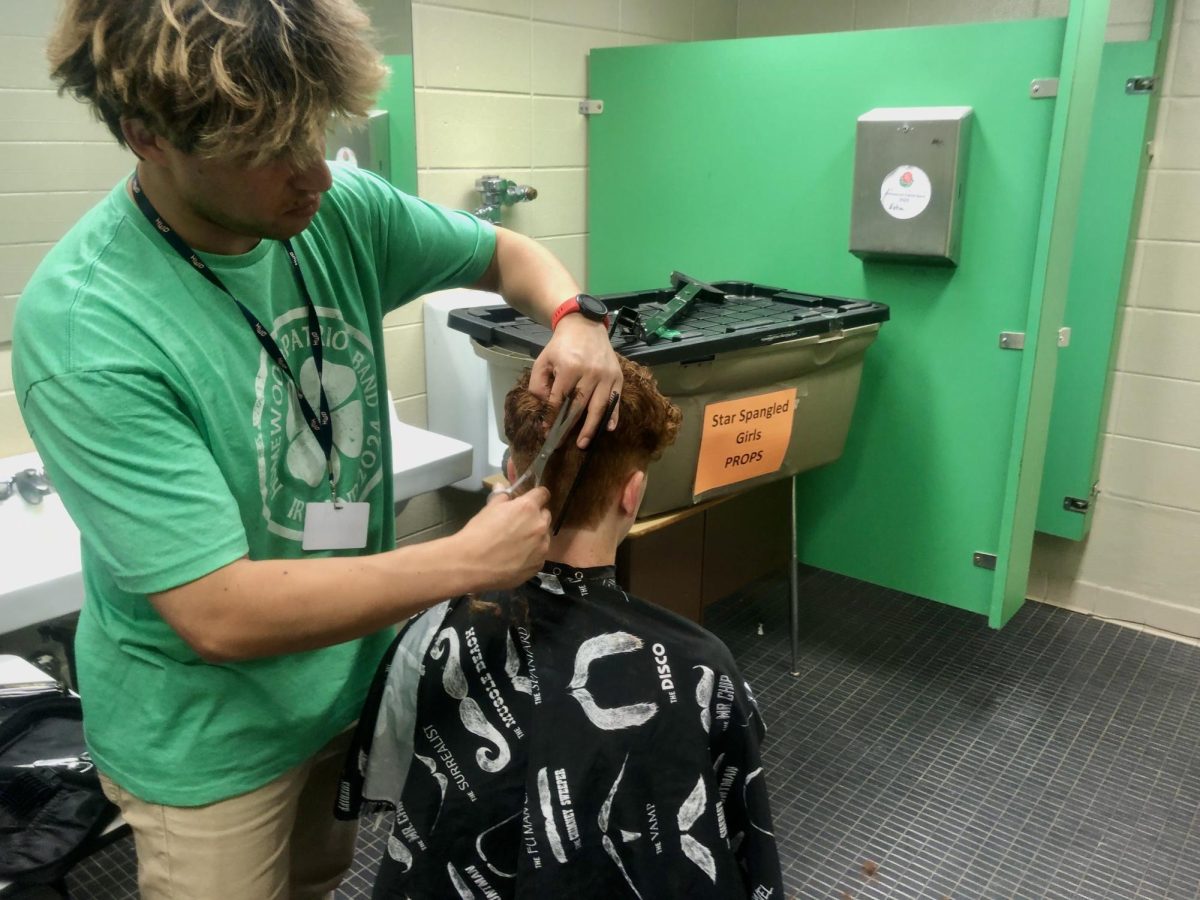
(291,462)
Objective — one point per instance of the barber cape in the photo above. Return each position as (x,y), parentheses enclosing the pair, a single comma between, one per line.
(563,740)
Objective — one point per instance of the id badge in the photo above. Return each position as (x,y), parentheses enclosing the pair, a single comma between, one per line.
(341,527)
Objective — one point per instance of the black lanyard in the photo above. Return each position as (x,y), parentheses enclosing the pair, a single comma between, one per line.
(322,425)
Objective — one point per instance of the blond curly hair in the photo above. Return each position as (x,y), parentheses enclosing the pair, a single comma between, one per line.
(254,80)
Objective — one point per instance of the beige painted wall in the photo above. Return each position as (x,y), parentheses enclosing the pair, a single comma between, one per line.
(498,87)
(55,163)
(1128,19)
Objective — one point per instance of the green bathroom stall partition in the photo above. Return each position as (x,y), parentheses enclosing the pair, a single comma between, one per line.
(1114,179)
(1083,45)
(391,24)
(397,98)
(734,160)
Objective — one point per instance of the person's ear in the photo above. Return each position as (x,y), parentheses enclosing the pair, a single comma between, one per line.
(144,143)
(632,493)
(510,469)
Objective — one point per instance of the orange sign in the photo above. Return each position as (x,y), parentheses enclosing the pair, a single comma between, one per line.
(744,438)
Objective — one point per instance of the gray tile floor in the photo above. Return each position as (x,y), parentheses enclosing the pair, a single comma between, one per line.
(1057,758)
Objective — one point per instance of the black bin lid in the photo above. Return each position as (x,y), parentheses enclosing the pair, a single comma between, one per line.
(724,316)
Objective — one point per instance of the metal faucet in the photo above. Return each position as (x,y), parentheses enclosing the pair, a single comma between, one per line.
(499,192)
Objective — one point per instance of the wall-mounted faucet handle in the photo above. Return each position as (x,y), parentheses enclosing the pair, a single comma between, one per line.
(516,193)
(498,192)
(490,184)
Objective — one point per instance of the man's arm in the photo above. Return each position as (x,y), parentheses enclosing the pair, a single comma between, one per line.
(256,608)
(163,524)
(579,357)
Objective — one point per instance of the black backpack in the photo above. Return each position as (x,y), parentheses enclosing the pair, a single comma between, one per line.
(51,804)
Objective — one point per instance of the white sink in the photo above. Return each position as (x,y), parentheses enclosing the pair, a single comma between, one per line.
(40,575)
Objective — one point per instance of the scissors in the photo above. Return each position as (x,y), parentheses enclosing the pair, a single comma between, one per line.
(560,428)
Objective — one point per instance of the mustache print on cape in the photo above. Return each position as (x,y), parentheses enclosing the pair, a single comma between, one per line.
(606,840)
(610,718)
(546,802)
(479,847)
(704,694)
(454,682)
(691,810)
(512,665)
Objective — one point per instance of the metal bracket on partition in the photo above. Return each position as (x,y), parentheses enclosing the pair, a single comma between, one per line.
(984,560)
(591,107)
(1012,340)
(1079,505)
(1064,337)
(1142,84)
(1043,88)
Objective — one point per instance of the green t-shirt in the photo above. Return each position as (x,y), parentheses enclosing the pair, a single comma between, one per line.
(178,446)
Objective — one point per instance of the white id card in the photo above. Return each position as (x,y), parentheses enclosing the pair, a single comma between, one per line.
(342,527)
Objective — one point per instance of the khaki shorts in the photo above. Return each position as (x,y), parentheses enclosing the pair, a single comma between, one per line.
(279,842)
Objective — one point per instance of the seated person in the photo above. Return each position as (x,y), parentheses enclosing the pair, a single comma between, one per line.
(567,740)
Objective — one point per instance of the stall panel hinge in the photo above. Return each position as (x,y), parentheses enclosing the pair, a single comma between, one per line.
(1081,505)
(1141,84)
(591,107)
(1043,88)
(1012,340)
(1064,337)
(984,560)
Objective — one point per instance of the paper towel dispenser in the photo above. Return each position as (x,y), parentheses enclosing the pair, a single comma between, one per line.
(909,175)
(365,143)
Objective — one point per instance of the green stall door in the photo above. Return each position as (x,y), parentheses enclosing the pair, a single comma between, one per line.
(1112,197)
(734,160)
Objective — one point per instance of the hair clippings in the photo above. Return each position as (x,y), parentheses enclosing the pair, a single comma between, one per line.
(31,484)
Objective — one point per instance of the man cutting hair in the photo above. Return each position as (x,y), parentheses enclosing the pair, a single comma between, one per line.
(200,364)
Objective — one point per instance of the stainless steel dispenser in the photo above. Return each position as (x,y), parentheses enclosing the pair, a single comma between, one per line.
(909,175)
(365,143)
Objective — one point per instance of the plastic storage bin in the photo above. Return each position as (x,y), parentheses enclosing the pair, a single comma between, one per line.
(737,341)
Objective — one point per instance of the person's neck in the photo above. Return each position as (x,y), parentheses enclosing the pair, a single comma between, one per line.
(198,232)
(584,548)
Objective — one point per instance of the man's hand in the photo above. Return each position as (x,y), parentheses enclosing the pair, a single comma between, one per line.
(507,541)
(579,360)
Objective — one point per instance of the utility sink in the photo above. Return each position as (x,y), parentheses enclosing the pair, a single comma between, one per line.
(40,573)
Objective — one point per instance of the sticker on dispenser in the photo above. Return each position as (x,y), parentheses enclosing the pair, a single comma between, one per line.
(905,193)
(744,438)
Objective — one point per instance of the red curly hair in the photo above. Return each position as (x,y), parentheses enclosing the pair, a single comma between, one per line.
(647,425)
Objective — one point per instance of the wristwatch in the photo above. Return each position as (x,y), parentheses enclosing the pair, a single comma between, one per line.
(589,306)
